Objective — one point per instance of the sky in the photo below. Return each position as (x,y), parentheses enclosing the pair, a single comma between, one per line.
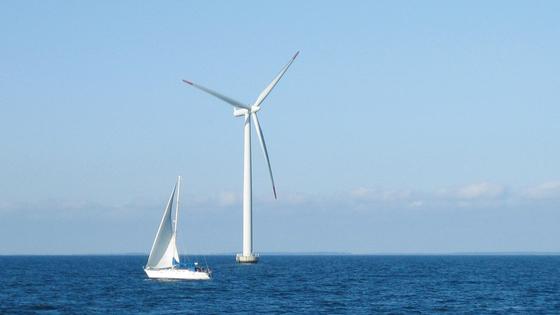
(402,126)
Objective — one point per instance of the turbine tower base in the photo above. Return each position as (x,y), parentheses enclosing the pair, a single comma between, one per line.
(250,259)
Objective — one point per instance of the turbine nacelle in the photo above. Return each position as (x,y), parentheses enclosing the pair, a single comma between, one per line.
(240,112)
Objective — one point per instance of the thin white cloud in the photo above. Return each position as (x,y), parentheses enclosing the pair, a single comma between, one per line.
(379,194)
(416,204)
(475,191)
(481,194)
(482,190)
(228,198)
(360,192)
(295,198)
(475,195)
(548,190)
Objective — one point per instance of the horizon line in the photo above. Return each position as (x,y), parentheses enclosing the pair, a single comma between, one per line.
(318,253)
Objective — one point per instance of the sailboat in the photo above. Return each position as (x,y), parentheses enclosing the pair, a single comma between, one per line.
(163,262)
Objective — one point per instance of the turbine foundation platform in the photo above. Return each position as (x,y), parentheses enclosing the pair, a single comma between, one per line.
(250,259)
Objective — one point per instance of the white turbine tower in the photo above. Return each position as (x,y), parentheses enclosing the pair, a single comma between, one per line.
(249,112)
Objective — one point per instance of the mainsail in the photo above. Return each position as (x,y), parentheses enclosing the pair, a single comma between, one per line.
(164,249)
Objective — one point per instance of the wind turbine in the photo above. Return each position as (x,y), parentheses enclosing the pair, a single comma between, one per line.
(249,112)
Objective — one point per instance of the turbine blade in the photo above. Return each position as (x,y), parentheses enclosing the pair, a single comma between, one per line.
(218,95)
(263,146)
(272,84)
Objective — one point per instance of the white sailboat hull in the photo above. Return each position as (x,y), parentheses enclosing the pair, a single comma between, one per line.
(177,274)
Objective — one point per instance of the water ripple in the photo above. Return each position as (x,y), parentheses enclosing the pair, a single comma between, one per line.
(286,284)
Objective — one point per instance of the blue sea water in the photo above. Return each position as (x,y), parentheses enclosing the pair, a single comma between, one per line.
(285,284)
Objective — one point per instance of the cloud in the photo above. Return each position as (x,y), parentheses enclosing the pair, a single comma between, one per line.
(69,209)
(458,196)
(475,195)
(228,198)
(476,191)
(214,201)
(379,194)
(548,190)
(416,204)
(482,190)
(295,198)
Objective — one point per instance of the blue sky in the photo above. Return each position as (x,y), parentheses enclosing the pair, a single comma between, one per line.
(401,127)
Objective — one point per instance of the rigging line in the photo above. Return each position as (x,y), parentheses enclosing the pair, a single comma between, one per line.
(205,262)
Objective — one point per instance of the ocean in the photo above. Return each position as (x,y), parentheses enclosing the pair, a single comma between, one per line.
(285,284)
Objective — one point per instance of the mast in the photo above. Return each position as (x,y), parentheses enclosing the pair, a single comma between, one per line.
(177,204)
(174,239)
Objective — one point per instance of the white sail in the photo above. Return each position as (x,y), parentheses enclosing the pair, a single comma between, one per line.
(164,249)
